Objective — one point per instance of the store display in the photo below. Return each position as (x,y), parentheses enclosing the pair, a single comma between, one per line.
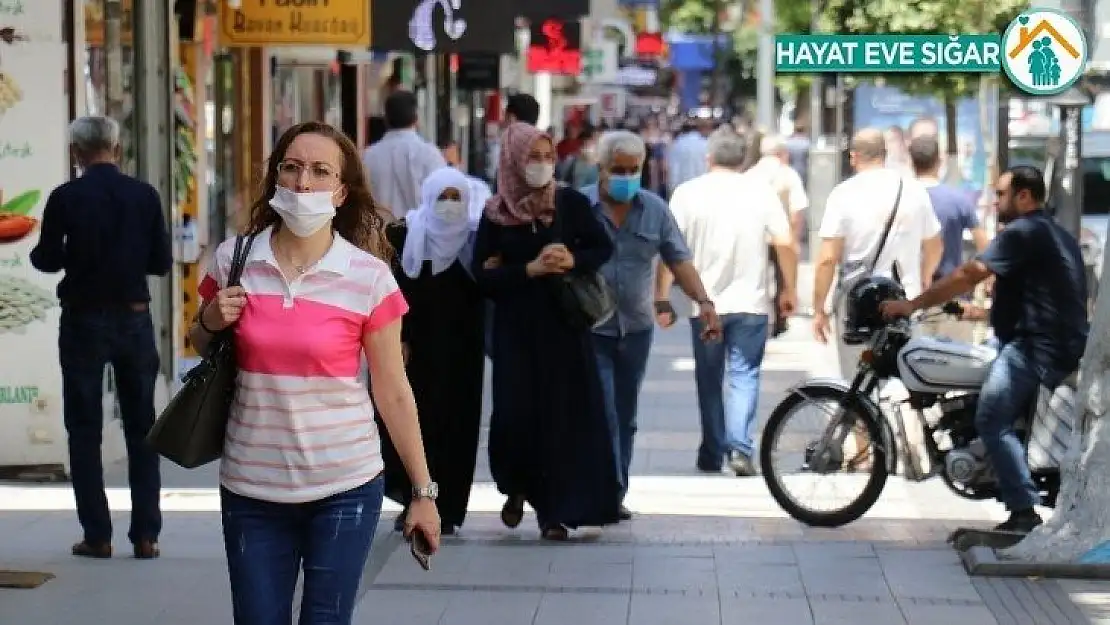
(185,148)
(15,219)
(22,303)
(10,93)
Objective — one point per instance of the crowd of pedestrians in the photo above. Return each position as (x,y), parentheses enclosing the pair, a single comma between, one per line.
(377,287)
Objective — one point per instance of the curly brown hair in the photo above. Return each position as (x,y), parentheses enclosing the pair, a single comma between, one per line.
(359,220)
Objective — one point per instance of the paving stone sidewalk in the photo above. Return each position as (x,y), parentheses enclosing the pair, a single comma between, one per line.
(702,549)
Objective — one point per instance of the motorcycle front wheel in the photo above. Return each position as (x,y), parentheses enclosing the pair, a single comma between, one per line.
(853,463)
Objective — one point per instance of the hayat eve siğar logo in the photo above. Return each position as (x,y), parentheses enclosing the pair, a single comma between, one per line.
(1045,51)
(422,32)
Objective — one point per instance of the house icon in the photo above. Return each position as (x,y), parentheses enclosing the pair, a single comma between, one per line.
(1027,36)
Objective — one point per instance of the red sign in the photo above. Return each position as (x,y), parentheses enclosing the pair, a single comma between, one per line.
(555,47)
(650,44)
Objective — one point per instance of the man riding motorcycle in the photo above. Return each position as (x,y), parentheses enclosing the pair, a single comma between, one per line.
(1039,315)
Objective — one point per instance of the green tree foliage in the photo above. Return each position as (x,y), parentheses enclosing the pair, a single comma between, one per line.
(687,16)
(696,17)
(923,17)
(859,17)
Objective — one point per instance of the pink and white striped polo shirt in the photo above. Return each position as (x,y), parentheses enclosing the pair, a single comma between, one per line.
(302,425)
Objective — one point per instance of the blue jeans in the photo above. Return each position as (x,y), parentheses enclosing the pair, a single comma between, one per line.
(1008,394)
(269,543)
(727,376)
(622,363)
(88,341)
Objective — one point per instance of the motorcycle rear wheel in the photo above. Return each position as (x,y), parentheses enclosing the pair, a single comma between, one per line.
(876,479)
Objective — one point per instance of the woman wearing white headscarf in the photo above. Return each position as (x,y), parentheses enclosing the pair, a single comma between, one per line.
(443,334)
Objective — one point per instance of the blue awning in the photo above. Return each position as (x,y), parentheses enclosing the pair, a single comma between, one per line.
(693,52)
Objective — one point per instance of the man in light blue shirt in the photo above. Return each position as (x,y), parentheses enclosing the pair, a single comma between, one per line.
(687,158)
(642,228)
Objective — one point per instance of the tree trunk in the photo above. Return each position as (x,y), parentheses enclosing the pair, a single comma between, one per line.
(1082,517)
(952,138)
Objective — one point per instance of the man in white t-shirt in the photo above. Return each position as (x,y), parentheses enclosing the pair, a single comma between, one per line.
(774,165)
(727,218)
(855,214)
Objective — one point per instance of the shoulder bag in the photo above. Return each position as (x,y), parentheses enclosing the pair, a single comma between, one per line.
(585,299)
(190,431)
(852,273)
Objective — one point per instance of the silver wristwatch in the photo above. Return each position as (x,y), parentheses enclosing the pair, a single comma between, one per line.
(429,491)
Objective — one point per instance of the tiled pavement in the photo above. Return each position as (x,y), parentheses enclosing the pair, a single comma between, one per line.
(703,549)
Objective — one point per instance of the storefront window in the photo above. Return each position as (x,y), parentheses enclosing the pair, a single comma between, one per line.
(304,93)
(96,70)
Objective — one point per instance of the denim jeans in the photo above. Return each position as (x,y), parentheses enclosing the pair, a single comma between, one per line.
(622,363)
(726,373)
(1008,394)
(88,341)
(269,543)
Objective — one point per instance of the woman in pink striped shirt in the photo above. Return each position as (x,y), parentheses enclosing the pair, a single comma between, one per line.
(300,475)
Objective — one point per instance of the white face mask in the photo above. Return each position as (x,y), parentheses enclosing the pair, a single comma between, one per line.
(303,213)
(450,210)
(538,174)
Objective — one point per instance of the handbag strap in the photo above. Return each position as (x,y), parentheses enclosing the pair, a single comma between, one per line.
(243,246)
(886,229)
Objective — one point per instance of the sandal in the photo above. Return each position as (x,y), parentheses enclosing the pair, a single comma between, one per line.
(512,513)
(555,532)
(99,551)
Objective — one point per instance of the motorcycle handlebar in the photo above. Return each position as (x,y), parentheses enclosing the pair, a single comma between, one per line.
(954,308)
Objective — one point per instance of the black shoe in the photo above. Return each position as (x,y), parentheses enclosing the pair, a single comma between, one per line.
(512,513)
(741,465)
(624,514)
(97,550)
(1020,522)
(147,550)
(704,467)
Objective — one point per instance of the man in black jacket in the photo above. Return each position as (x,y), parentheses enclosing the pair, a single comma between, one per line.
(1039,316)
(107,232)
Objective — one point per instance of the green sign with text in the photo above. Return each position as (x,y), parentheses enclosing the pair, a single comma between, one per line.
(18,394)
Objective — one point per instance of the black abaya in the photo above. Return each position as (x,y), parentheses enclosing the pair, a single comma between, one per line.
(549,438)
(445,332)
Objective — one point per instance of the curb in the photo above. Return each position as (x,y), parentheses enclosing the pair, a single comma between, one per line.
(984,562)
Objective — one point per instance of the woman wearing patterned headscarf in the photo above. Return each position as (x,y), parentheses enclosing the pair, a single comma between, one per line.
(549,441)
(443,335)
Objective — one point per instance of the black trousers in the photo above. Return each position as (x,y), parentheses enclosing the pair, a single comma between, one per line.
(88,341)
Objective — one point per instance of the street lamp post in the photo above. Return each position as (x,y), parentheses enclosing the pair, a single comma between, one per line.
(1067,185)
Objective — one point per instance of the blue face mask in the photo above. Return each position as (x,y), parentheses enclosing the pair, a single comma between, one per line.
(624,188)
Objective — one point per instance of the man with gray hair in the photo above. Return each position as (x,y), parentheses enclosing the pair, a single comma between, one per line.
(642,228)
(727,218)
(107,232)
(856,214)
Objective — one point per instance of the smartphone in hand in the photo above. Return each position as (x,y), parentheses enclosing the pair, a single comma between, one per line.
(421,551)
